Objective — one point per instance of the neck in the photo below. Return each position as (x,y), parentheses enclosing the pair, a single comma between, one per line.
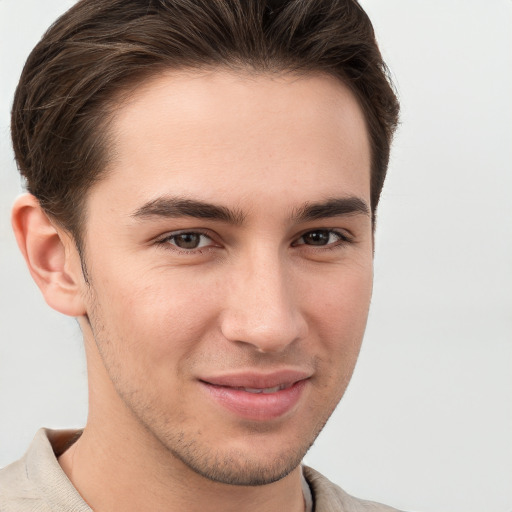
(118,472)
(118,464)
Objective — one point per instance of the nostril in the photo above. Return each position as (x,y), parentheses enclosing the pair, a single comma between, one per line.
(264,334)
(262,306)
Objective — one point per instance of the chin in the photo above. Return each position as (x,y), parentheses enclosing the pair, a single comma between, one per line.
(239,468)
(256,458)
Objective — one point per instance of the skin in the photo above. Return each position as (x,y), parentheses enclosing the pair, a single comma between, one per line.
(267,290)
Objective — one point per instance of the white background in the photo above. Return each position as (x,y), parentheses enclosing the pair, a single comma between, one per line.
(426,423)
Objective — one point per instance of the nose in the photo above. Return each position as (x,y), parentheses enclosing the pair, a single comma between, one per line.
(262,308)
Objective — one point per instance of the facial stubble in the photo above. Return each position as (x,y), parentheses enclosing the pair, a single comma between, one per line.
(187,446)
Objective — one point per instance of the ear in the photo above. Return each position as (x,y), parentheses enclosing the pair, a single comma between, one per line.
(51,256)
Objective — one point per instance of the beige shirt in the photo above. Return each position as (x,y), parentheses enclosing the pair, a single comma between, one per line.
(36,483)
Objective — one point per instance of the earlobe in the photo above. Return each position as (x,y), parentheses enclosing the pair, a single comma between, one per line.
(50,255)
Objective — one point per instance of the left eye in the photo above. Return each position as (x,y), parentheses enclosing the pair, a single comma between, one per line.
(188,240)
(320,237)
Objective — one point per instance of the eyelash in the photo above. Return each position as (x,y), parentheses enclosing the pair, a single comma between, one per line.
(165,241)
(343,239)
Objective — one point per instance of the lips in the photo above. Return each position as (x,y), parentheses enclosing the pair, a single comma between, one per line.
(266,391)
(257,397)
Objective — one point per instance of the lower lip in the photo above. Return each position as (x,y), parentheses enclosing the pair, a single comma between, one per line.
(256,406)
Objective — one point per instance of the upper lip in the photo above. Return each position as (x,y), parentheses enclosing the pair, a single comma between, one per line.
(257,380)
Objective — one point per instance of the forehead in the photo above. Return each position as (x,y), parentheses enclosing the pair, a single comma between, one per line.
(233,135)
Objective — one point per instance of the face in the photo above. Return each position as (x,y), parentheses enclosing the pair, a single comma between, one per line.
(229,252)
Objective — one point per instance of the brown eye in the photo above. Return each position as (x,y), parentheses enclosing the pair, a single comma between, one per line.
(322,237)
(187,240)
(316,238)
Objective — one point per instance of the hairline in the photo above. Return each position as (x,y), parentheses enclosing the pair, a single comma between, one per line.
(136,82)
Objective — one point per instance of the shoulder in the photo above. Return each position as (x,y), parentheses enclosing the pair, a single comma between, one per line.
(17,492)
(36,483)
(329,497)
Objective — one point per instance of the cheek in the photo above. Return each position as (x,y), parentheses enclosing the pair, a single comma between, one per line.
(338,312)
(340,301)
(156,315)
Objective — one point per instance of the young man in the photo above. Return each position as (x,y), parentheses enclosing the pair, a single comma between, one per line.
(203,179)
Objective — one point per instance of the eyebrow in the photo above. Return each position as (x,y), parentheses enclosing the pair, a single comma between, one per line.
(334,207)
(175,207)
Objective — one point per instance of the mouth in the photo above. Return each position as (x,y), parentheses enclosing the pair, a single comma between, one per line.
(265,391)
(257,397)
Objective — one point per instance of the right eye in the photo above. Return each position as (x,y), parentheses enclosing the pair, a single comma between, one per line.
(187,240)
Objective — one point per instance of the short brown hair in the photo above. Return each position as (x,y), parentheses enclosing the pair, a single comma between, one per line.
(98,48)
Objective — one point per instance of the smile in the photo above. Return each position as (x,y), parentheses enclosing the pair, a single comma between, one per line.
(257,397)
(266,391)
